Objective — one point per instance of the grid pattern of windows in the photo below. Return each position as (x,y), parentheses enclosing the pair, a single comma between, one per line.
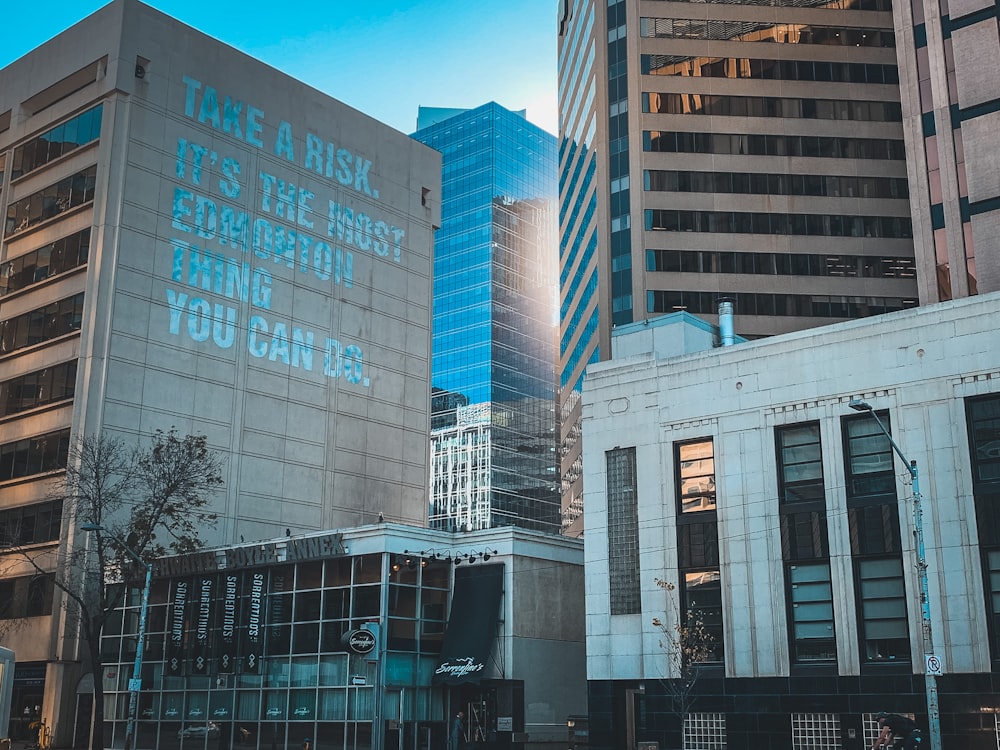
(812,146)
(873,522)
(811,612)
(303,680)
(698,548)
(44,324)
(494,338)
(30,524)
(804,543)
(62,139)
(805,305)
(55,258)
(984,437)
(770,106)
(870,471)
(746,222)
(701,599)
(803,534)
(38,388)
(27,596)
(46,204)
(618,165)
(769,70)
(883,610)
(770,33)
(800,462)
(883,5)
(760,183)
(816,732)
(581,30)
(991,570)
(623,531)
(705,731)
(777,264)
(983,421)
(36,455)
(696,476)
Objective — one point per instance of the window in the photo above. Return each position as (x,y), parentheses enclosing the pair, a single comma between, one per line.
(38,388)
(68,193)
(983,415)
(800,463)
(695,464)
(623,531)
(882,595)
(39,596)
(46,323)
(870,473)
(816,732)
(984,437)
(702,614)
(28,596)
(30,524)
(36,455)
(705,731)
(992,571)
(62,139)
(54,258)
(811,612)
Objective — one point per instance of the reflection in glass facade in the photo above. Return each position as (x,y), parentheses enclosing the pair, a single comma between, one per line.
(581,328)
(494,439)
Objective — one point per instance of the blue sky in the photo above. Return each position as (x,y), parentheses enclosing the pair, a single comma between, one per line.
(384,57)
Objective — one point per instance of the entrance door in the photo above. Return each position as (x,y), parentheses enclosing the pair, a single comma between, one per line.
(84,714)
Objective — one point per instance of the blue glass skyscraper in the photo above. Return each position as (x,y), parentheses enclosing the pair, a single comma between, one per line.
(493,443)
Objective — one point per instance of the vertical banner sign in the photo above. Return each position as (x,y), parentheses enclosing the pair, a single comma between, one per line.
(277,617)
(175,635)
(226,646)
(203,627)
(255,624)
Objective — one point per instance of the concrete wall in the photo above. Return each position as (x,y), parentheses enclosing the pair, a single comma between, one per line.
(260,272)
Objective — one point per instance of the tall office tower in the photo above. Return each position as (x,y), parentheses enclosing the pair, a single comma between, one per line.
(744,150)
(949,57)
(193,239)
(493,442)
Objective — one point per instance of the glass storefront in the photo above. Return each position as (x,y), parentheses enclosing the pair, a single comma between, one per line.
(247,650)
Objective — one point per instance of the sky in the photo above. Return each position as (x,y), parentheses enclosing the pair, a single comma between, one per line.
(383,57)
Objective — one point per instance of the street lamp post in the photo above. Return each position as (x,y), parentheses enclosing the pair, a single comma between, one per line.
(136,681)
(931,663)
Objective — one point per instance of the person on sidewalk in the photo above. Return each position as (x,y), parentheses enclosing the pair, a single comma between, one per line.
(893,727)
(457,732)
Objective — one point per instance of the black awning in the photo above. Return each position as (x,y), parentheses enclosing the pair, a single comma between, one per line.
(475,610)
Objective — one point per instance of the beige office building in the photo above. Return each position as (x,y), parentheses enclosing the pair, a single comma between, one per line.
(193,239)
(747,150)
(949,57)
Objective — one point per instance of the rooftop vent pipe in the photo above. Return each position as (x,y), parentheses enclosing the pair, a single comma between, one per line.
(726,334)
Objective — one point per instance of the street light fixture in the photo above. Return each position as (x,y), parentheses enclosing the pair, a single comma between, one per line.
(135,683)
(932,666)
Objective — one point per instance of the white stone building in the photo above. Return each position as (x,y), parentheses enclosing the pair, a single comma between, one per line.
(782,521)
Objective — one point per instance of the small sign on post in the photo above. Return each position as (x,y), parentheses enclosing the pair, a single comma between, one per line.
(933,665)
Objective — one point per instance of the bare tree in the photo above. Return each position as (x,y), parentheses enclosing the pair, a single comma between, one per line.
(688,644)
(155,498)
